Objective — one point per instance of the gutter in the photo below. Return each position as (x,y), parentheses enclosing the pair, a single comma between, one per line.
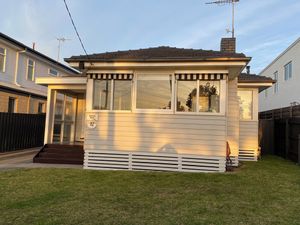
(17,66)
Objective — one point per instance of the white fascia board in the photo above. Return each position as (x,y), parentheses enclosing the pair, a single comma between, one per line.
(60,80)
(160,64)
(28,90)
(255,84)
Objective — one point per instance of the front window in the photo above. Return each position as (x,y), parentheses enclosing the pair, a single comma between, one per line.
(122,95)
(207,99)
(112,94)
(154,92)
(246,104)
(30,69)
(2,59)
(288,71)
(102,94)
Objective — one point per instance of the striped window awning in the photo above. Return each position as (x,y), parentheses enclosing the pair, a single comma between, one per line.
(110,76)
(201,76)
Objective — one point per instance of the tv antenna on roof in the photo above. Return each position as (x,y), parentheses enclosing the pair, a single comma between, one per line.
(60,41)
(223,2)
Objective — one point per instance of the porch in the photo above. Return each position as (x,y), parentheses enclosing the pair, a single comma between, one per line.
(65,116)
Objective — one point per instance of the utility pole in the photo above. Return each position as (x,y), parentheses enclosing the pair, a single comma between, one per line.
(223,2)
(60,41)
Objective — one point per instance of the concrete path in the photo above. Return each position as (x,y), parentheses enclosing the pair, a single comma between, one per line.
(23,159)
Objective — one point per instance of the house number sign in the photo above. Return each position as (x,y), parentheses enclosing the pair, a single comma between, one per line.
(92,124)
(92,117)
(91,120)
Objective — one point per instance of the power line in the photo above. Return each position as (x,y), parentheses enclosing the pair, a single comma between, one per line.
(76,29)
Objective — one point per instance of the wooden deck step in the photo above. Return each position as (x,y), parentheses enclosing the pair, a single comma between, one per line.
(60,154)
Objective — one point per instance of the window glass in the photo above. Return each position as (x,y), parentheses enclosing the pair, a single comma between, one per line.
(102,93)
(11,105)
(30,69)
(53,72)
(209,96)
(288,71)
(2,59)
(122,95)
(186,96)
(246,104)
(276,84)
(154,93)
(40,107)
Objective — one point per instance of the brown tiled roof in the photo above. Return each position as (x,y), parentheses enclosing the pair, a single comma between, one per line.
(253,78)
(163,53)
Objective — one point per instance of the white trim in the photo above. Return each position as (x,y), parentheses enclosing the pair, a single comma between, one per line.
(33,69)
(201,71)
(4,59)
(60,80)
(159,64)
(255,84)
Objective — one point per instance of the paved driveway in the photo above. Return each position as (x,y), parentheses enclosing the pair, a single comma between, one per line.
(23,159)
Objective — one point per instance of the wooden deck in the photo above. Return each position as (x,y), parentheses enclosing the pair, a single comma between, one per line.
(60,154)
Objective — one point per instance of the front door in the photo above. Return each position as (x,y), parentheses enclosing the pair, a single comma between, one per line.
(64,119)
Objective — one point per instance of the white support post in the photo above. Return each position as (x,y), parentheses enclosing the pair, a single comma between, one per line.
(50,112)
(89,94)
(74,118)
(63,119)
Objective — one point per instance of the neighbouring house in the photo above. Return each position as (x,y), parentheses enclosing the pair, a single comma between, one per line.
(161,108)
(20,65)
(285,69)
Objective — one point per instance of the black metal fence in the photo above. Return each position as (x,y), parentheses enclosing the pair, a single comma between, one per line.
(20,131)
(279,132)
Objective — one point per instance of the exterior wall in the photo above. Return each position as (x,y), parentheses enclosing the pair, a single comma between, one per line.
(24,103)
(21,102)
(248,133)
(288,90)
(159,133)
(7,78)
(233,120)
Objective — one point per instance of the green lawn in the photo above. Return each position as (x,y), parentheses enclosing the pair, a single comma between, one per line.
(266,192)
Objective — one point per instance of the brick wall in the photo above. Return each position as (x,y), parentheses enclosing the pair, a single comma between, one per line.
(228,45)
(21,102)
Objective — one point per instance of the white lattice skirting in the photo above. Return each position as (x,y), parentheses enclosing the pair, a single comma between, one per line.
(117,160)
(248,155)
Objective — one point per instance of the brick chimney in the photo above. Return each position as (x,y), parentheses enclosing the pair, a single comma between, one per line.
(228,45)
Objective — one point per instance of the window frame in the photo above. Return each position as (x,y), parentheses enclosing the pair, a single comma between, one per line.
(33,70)
(51,74)
(4,60)
(254,104)
(111,99)
(288,69)
(153,76)
(222,95)
(276,84)
(158,74)
(14,104)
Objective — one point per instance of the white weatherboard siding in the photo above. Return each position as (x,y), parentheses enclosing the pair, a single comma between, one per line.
(248,140)
(171,134)
(288,90)
(233,121)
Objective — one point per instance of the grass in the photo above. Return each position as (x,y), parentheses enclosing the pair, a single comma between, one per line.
(266,192)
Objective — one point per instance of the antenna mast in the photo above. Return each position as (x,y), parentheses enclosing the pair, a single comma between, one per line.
(223,2)
(60,41)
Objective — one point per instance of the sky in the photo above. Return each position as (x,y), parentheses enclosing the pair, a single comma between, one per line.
(263,28)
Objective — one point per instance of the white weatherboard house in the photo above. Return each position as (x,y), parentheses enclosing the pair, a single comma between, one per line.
(161,108)
(285,69)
